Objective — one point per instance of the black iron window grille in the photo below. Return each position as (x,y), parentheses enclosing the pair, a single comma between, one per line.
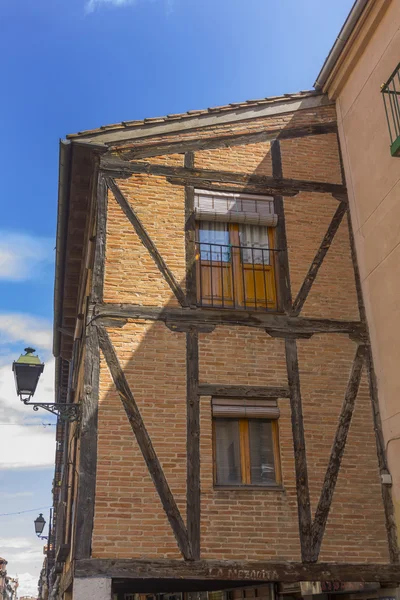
(391,100)
(231,276)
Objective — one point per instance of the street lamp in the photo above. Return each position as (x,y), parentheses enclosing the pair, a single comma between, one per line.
(27,370)
(39,526)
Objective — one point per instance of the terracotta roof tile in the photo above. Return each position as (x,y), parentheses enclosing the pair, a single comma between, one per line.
(193,113)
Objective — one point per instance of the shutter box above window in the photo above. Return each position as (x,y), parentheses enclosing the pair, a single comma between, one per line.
(235,208)
(248,408)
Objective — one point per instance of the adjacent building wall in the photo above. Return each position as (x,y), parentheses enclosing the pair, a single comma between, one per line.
(373,180)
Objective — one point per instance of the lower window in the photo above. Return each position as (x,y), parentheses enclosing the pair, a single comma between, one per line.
(246,452)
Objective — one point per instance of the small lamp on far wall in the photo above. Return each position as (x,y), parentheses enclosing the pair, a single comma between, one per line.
(39,526)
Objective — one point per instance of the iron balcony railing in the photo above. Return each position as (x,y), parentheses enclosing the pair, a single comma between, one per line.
(391,100)
(231,276)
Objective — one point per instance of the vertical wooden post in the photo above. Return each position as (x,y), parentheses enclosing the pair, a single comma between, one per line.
(281,259)
(299,443)
(89,416)
(193,442)
(190,236)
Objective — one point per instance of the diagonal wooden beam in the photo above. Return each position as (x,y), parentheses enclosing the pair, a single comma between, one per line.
(147,241)
(339,444)
(145,444)
(299,443)
(318,258)
(193,441)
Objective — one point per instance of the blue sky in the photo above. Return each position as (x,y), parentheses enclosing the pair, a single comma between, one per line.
(69,65)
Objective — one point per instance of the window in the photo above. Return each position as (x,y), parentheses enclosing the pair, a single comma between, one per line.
(235,253)
(246,446)
(391,100)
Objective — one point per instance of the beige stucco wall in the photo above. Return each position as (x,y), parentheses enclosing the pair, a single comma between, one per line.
(373,179)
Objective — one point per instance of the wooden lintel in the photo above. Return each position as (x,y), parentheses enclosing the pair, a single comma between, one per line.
(245,571)
(157,149)
(203,316)
(252,188)
(126,169)
(187,327)
(242,391)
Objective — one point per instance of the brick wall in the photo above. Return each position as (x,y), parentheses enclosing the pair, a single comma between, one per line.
(235,524)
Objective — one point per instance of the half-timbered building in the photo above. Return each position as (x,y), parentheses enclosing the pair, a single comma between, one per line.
(209,322)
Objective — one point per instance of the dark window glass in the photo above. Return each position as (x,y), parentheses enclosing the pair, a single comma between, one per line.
(262,465)
(227,452)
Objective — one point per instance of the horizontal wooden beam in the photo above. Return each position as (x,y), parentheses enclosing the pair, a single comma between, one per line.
(245,571)
(120,169)
(226,141)
(242,391)
(279,323)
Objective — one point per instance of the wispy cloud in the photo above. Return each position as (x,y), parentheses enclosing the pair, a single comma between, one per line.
(12,495)
(91,5)
(19,327)
(23,256)
(16,542)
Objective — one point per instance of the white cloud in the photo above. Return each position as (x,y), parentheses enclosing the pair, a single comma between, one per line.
(12,495)
(15,543)
(17,327)
(24,256)
(23,446)
(28,585)
(91,5)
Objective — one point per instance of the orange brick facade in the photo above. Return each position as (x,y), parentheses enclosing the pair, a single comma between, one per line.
(244,524)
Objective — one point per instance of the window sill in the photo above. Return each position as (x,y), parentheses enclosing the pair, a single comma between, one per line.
(395,147)
(261,488)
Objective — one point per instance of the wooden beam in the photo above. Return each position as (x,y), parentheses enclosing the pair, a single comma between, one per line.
(190,237)
(100,247)
(193,442)
(120,168)
(157,149)
(339,444)
(242,391)
(147,241)
(281,258)
(318,258)
(85,502)
(299,444)
(145,444)
(246,571)
(230,188)
(272,322)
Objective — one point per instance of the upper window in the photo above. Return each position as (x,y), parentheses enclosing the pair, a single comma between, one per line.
(246,447)
(235,251)
(391,100)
